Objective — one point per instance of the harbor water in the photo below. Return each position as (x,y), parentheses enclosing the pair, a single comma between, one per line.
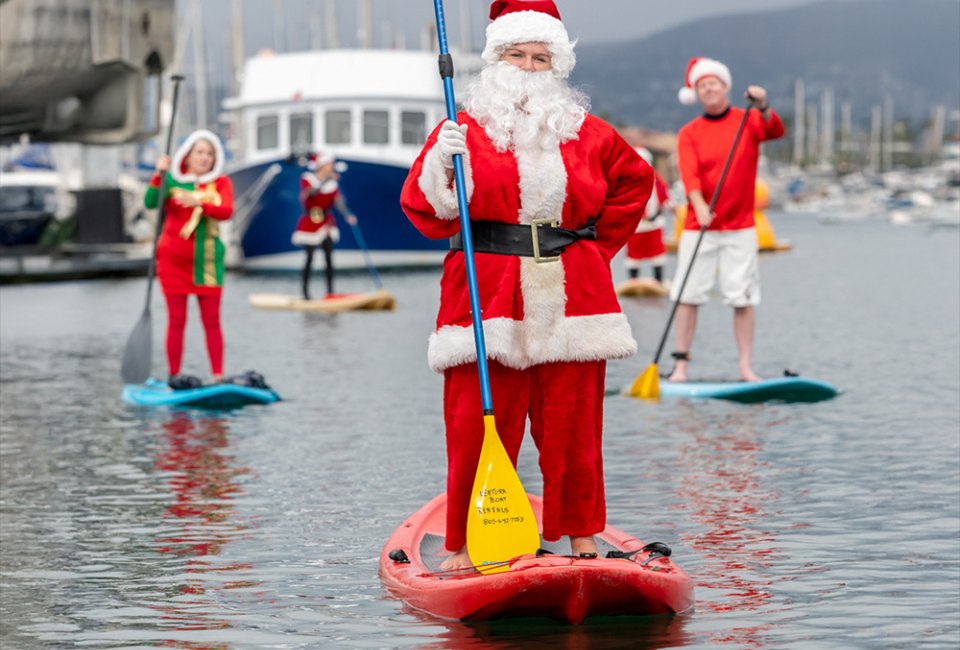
(821,526)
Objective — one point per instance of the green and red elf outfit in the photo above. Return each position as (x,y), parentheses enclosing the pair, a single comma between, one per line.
(190,255)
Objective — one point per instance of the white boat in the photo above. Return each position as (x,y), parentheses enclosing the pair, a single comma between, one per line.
(372,108)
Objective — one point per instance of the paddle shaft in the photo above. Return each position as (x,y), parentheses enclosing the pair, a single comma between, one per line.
(366,255)
(703,230)
(446,73)
(163,189)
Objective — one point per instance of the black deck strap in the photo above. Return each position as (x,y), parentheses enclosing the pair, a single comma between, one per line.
(622,555)
(789,373)
(658,547)
(399,556)
(446,65)
(588,556)
(657,550)
(680,356)
(542,551)
(517,239)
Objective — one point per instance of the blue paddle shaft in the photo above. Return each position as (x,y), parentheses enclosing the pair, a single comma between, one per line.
(446,72)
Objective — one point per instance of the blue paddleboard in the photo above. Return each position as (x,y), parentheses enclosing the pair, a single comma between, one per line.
(783,389)
(154,392)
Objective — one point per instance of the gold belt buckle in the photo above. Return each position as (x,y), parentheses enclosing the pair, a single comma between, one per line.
(535,236)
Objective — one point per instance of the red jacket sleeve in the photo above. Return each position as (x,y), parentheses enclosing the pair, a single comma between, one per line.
(629,185)
(421,209)
(768,129)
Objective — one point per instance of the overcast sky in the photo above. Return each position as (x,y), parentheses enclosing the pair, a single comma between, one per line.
(296,25)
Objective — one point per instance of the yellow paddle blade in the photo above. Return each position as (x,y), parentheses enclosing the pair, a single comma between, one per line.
(500,521)
(647,385)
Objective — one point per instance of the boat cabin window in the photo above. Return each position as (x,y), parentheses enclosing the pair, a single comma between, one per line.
(376,127)
(413,127)
(268,132)
(337,127)
(301,131)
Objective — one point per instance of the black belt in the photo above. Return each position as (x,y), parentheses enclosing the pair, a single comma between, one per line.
(540,240)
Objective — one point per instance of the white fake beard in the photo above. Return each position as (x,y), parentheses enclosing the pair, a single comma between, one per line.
(523,110)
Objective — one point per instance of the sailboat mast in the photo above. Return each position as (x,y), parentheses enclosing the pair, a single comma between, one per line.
(364,31)
(333,38)
(237,43)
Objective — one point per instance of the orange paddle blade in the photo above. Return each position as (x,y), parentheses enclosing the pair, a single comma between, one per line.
(647,385)
(500,521)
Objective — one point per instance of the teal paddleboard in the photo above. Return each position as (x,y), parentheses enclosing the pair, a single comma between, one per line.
(154,392)
(782,389)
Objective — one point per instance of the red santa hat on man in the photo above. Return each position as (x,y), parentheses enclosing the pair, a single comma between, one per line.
(529,21)
(697,69)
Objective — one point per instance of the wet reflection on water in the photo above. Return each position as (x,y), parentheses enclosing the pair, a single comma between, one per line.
(202,478)
(721,491)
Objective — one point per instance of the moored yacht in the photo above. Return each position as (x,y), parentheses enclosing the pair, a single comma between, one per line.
(373,109)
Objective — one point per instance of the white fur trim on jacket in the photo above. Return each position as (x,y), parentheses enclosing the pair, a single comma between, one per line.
(531,27)
(438,191)
(215,172)
(646,225)
(315,238)
(576,338)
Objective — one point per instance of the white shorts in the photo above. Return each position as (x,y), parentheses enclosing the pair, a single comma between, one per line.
(729,256)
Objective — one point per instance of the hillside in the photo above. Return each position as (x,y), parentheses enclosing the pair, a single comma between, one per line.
(861,49)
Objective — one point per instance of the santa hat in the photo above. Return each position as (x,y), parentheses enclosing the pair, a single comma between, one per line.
(529,21)
(697,69)
(178,167)
(317,160)
(645,154)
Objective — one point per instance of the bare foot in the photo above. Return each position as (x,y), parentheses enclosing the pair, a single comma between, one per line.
(459,560)
(580,545)
(747,374)
(679,372)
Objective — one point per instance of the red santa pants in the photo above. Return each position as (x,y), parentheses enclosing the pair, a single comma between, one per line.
(564,402)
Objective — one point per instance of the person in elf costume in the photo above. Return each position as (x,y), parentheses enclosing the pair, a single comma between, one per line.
(646,244)
(532,155)
(190,254)
(320,194)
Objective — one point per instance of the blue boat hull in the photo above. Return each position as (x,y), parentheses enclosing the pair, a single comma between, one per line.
(154,392)
(784,389)
(372,190)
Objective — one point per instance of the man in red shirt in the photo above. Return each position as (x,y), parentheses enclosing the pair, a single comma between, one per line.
(728,253)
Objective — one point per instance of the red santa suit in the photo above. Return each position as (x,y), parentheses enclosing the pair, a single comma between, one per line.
(549,327)
(646,244)
(317,222)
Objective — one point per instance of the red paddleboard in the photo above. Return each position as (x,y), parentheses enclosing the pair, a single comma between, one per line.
(552,585)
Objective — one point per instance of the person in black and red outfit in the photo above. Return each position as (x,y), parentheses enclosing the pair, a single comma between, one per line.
(320,194)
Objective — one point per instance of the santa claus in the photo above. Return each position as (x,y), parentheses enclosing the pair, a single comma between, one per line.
(553,194)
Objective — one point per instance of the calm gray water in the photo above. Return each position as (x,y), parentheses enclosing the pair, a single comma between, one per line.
(829,525)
